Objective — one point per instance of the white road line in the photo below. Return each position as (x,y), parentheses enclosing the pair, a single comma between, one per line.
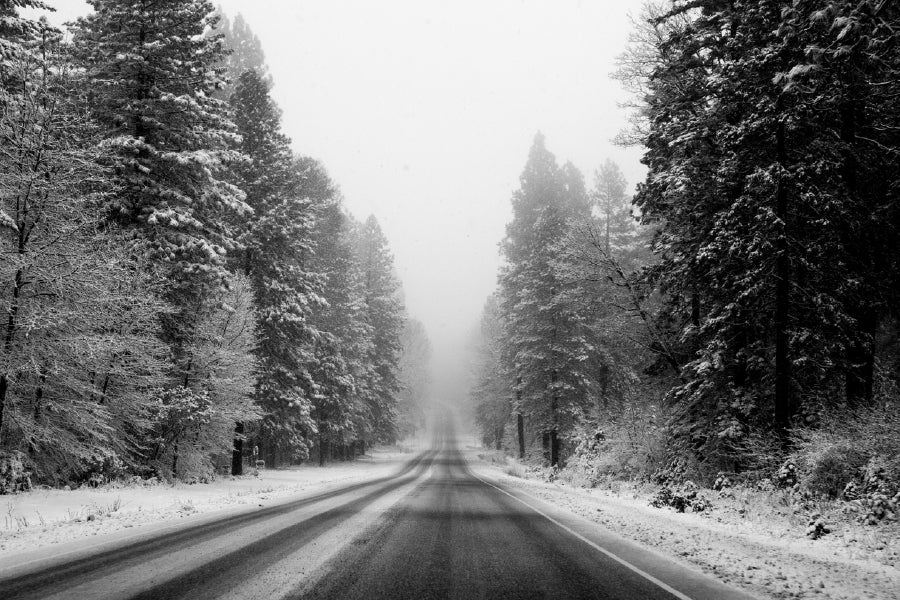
(621,561)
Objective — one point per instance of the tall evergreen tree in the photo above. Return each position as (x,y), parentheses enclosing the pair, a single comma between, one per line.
(278,258)
(151,75)
(384,314)
(415,377)
(545,338)
(753,150)
(491,393)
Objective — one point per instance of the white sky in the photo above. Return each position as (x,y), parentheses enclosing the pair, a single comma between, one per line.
(423,112)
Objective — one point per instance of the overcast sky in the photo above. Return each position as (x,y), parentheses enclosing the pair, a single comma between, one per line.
(423,112)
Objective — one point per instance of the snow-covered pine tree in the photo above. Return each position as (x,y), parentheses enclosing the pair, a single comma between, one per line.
(415,377)
(344,349)
(846,60)
(14,30)
(623,238)
(762,119)
(243,51)
(279,257)
(384,313)
(150,75)
(545,336)
(491,393)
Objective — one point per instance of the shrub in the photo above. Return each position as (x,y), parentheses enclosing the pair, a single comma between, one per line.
(681,498)
(817,527)
(14,474)
(830,471)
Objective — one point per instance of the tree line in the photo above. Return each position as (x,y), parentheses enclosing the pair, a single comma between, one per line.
(747,294)
(180,291)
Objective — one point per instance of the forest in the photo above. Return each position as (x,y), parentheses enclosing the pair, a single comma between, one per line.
(736,319)
(182,294)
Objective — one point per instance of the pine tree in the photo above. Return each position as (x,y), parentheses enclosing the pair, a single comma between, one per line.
(384,314)
(621,236)
(243,52)
(150,75)
(491,392)
(545,337)
(278,258)
(415,377)
(753,149)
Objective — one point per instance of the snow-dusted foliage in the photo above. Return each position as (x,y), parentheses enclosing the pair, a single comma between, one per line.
(175,280)
(491,393)
(772,179)
(243,49)
(150,75)
(342,369)
(383,311)
(278,242)
(79,352)
(546,339)
(415,377)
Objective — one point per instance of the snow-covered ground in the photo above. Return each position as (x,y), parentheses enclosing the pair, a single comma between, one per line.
(744,547)
(47,517)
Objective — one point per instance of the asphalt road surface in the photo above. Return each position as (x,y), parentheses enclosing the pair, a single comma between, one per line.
(432,530)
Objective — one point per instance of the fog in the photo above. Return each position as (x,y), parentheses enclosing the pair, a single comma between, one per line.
(423,112)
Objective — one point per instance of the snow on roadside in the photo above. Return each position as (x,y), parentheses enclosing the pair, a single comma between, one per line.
(45,517)
(756,559)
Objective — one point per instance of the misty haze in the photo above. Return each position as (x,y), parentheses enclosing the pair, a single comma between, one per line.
(344,299)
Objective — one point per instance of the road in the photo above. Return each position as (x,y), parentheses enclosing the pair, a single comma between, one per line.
(432,530)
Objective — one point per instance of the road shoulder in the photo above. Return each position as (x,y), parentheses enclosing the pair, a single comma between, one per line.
(753,563)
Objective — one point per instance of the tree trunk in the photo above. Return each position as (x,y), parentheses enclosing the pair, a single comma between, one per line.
(861,356)
(237,455)
(554,448)
(520,427)
(175,462)
(782,297)
(545,445)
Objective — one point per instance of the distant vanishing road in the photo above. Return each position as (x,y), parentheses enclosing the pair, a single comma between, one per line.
(432,530)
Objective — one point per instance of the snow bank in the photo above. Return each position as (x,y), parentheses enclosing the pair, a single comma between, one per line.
(45,517)
(741,549)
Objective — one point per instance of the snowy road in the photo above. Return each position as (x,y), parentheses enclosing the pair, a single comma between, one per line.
(432,530)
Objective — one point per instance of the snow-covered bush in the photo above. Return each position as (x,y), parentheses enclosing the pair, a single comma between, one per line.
(681,498)
(817,526)
(672,474)
(830,469)
(786,476)
(14,474)
(101,468)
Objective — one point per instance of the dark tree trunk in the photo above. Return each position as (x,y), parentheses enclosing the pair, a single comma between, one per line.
(175,462)
(545,445)
(237,455)
(861,354)
(782,297)
(520,430)
(323,450)
(554,449)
